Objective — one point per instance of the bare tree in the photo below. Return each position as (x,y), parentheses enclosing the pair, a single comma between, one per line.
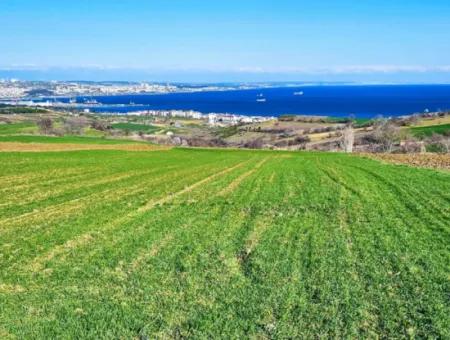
(75,125)
(45,125)
(100,125)
(386,134)
(348,138)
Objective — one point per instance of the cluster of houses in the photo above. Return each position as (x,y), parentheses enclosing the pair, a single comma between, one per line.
(221,119)
(214,119)
(168,113)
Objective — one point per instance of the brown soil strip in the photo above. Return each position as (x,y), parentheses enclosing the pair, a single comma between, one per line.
(426,160)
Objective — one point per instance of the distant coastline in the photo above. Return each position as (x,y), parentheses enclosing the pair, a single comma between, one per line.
(365,101)
(337,100)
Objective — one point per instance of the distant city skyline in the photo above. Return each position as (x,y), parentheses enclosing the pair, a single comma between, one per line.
(226,41)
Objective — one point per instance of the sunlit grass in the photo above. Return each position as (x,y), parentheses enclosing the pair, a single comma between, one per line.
(221,244)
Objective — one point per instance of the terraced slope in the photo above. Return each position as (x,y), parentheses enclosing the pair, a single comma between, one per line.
(230,244)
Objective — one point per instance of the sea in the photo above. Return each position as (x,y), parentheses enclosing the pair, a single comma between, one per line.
(360,101)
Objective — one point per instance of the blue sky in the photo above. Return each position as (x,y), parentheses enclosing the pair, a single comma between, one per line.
(232,40)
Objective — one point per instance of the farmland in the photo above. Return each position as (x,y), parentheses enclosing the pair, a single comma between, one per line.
(221,244)
(135,127)
(424,131)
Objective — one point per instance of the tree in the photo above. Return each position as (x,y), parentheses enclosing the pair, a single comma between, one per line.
(348,138)
(100,125)
(75,125)
(45,125)
(386,133)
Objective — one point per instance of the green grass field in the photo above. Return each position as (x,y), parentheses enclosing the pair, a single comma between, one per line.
(17,128)
(135,127)
(427,131)
(221,244)
(64,139)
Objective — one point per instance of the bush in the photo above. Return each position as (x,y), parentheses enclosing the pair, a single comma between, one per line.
(286,118)
(281,143)
(45,125)
(254,144)
(386,133)
(57,132)
(200,142)
(302,139)
(75,125)
(438,143)
(100,125)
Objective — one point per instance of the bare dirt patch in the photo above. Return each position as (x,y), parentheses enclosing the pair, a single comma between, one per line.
(427,160)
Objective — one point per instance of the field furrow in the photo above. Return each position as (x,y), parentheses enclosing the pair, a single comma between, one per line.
(221,243)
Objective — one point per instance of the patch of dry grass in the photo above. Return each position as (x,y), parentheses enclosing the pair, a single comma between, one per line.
(426,160)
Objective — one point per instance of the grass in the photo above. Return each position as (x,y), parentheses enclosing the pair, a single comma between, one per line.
(427,131)
(357,122)
(17,128)
(64,139)
(7,109)
(221,244)
(135,127)
(225,132)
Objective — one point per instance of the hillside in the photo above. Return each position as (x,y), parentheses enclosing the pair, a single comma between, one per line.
(408,134)
(221,243)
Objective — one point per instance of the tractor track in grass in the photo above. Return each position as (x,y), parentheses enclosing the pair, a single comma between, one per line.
(75,203)
(23,192)
(306,246)
(128,192)
(54,211)
(411,201)
(123,270)
(151,204)
(29,179)
(111,179)
(235,183)
(144,255)
(393,274)
(37,263)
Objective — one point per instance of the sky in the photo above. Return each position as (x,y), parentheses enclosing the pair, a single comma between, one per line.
(230,40)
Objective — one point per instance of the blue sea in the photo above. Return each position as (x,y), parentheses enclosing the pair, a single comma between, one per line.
(362,101)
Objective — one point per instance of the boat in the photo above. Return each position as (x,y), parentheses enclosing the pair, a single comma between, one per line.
(299,93)
(261,100)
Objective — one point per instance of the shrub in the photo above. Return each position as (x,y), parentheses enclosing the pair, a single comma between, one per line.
(45,125)
(254,144)
(302,139)
(438,143)
(100,125)
(386,133)
(75,125)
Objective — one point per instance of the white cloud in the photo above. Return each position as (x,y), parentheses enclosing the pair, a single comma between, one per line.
(350,69)
(332,70)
